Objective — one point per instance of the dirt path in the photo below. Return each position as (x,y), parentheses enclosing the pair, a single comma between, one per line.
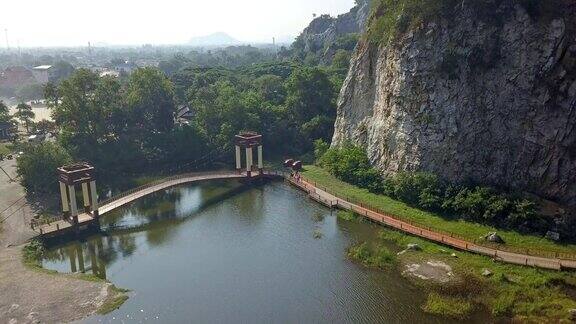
(33,296)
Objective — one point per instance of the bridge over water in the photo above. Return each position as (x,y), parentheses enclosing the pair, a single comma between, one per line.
(76,222)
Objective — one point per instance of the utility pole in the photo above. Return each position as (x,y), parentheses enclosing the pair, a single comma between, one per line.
(6,35)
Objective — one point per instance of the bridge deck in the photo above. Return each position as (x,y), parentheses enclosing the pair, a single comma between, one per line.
(61,227)
(64,226)
(324,197)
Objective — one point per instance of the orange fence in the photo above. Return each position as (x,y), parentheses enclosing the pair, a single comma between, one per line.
(545,259)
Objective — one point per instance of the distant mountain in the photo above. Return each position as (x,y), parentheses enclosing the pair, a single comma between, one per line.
(215,39)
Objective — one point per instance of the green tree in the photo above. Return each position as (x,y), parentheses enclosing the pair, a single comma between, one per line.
(44,126)
(5,115)
(341,59)
(4,111)
(90,115)
(150,100)
(37,166)
(271,87)
(51,94)
(29,92)
(62,70)
(25,114)
(311,102)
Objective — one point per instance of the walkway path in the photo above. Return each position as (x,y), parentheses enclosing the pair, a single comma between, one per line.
(145,190)
(62,226)
(331,200)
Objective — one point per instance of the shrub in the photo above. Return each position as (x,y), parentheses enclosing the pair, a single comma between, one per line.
(350,163)
(320,148)
(347,215)
(421,189)
(37,166)
(426,191)
(448,306)
(392,17)
(32,252)
(477,204)
(380,257)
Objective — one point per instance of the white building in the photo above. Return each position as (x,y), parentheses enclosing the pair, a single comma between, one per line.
(43,73)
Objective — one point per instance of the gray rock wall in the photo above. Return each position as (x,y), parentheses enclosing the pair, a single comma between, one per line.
(492,101)
(324,30)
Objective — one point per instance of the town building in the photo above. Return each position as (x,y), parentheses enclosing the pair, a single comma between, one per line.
(183,115)
(16,76)
(43,73)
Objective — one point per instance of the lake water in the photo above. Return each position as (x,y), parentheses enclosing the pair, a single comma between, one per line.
(221,252)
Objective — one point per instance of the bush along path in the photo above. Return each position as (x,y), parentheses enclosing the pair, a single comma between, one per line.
(331,199)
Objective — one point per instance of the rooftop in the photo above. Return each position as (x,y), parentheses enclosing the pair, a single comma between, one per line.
(43,67)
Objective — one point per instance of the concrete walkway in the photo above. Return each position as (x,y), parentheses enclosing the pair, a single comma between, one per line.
(331,200)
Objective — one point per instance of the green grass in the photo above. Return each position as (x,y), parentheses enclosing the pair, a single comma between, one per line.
(467,230)
(375,257)
(454,307)
(112,304)
(347,216)
(512,291)
(4,150)
(31,257)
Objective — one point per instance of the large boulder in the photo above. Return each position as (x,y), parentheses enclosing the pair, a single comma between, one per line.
(553,236)
(494,238)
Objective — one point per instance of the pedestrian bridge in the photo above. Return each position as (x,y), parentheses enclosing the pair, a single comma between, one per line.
(322,195)
(86,220)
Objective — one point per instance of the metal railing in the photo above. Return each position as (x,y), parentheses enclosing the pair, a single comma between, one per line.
(444,235)
(162,181)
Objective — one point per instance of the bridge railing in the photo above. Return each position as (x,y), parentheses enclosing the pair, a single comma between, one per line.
(447,234)
(159,182)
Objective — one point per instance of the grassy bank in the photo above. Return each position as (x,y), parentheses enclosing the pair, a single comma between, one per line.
(4,149)
(503,290)
(467,230)
(32,255)
(509,290)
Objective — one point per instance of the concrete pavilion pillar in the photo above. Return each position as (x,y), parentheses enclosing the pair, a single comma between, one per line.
(238,158)
(64,198)
(249,161)
(86,197)
(94,199)
(72,254)
(73,207)
(80,253)
(260,162)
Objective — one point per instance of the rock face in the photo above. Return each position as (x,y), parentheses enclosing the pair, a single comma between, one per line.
(324,30)
(488,98)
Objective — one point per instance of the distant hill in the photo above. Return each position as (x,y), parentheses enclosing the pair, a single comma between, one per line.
(215,39)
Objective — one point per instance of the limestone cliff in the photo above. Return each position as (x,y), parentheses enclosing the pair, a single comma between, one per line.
(320,36)
(483,94)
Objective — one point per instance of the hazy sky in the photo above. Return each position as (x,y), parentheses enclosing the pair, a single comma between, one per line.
(75,22)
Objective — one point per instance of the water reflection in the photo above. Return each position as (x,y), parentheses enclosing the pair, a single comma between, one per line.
(188,251)
(84,257)
(158,216)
